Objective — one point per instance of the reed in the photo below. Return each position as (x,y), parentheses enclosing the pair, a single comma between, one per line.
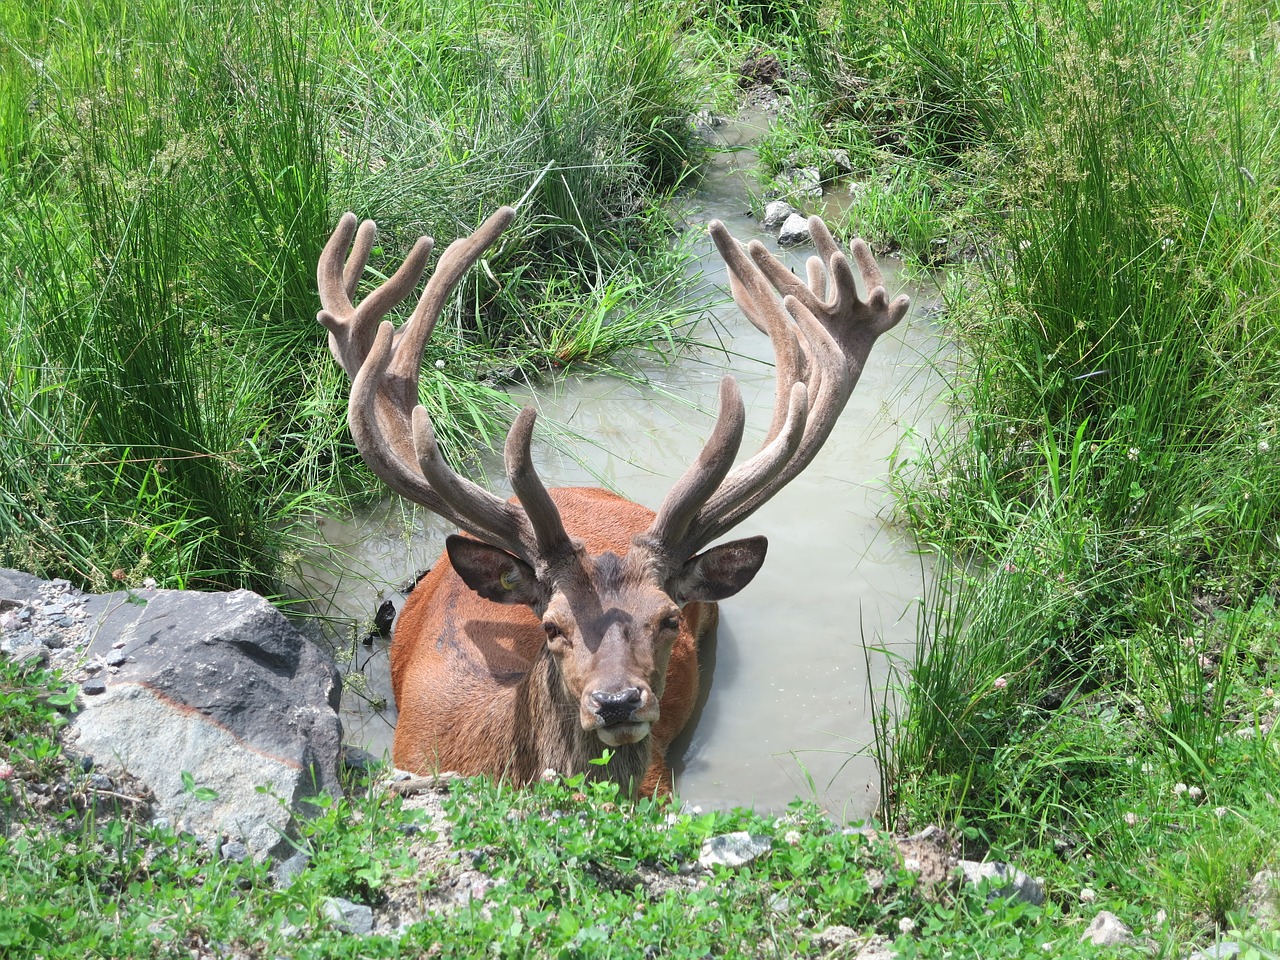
(169,178)
(1104,504)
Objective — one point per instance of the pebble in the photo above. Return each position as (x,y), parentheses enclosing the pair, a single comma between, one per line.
(235,851)
(354,918)
(94,686)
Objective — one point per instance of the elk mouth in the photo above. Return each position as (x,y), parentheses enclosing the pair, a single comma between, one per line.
(624,733)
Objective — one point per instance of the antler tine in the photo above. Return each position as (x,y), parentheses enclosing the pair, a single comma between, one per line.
(351,328)
(821,344)
(702,477)
(757,301)
(542,514)
(391,430)
(469,505)
(454,262)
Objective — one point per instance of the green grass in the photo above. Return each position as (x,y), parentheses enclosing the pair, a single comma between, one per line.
(170,410)
(564,859)
(1104,504)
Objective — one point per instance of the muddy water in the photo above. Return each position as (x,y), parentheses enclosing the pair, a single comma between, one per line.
(795,661)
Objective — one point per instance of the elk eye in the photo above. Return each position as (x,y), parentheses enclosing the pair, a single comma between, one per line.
(553,631)
(670,623)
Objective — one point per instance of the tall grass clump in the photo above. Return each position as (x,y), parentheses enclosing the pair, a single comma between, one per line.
(143,426)
(169,177)
(1106,498)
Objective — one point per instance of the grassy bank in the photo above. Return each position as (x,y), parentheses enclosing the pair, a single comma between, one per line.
(563,869)
(1094,697)
(1095,690)
(168,178)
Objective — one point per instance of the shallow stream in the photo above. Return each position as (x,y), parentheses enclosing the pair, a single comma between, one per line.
(800,652)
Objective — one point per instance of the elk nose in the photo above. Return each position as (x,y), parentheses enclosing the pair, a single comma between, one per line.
(616,706)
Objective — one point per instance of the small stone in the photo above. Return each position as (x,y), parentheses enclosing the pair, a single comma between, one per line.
(733,849)
(235,851)
(1107,931)
(353,918)
(839,159)
(833,937)
(794,231)
(1224,950)
(356,759)
(776,213)
(100,781)
(31,656)
(117,659)
(803,182)
(1262,898)
(94,686)
(1005,881)
(286,871)
(54,641)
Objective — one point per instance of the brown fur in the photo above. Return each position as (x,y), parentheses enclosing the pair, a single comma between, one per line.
(478,691)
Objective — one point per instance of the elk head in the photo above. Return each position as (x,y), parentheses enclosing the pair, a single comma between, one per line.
(610,620)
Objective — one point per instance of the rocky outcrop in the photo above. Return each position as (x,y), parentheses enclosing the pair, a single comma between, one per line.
(212,700)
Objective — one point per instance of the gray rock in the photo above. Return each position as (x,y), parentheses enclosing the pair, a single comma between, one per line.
(94,687)
(733,849)
(838,160)
(220,687)
(877,948)
(235,851)
(1106,930)
(803,182)
(16,637)
(286,871)
(30,656)
(1262,898)
(1006,881)
(472,885)
(1225,950)
(835,936)
(705,123)
(794,231)
(354,918)
(776,213)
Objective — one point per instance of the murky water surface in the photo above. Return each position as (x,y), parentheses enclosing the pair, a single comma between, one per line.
(800,651)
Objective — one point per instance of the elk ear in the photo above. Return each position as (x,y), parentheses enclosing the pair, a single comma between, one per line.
(491,572)
(719,572)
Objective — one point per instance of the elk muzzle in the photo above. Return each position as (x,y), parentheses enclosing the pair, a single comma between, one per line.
(620,717)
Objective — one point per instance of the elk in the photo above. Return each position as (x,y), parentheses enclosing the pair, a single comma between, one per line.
(564,623)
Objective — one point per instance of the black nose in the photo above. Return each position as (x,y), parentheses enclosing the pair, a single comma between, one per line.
(616,706)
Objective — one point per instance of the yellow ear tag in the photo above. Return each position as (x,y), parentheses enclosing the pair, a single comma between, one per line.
(508,580)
